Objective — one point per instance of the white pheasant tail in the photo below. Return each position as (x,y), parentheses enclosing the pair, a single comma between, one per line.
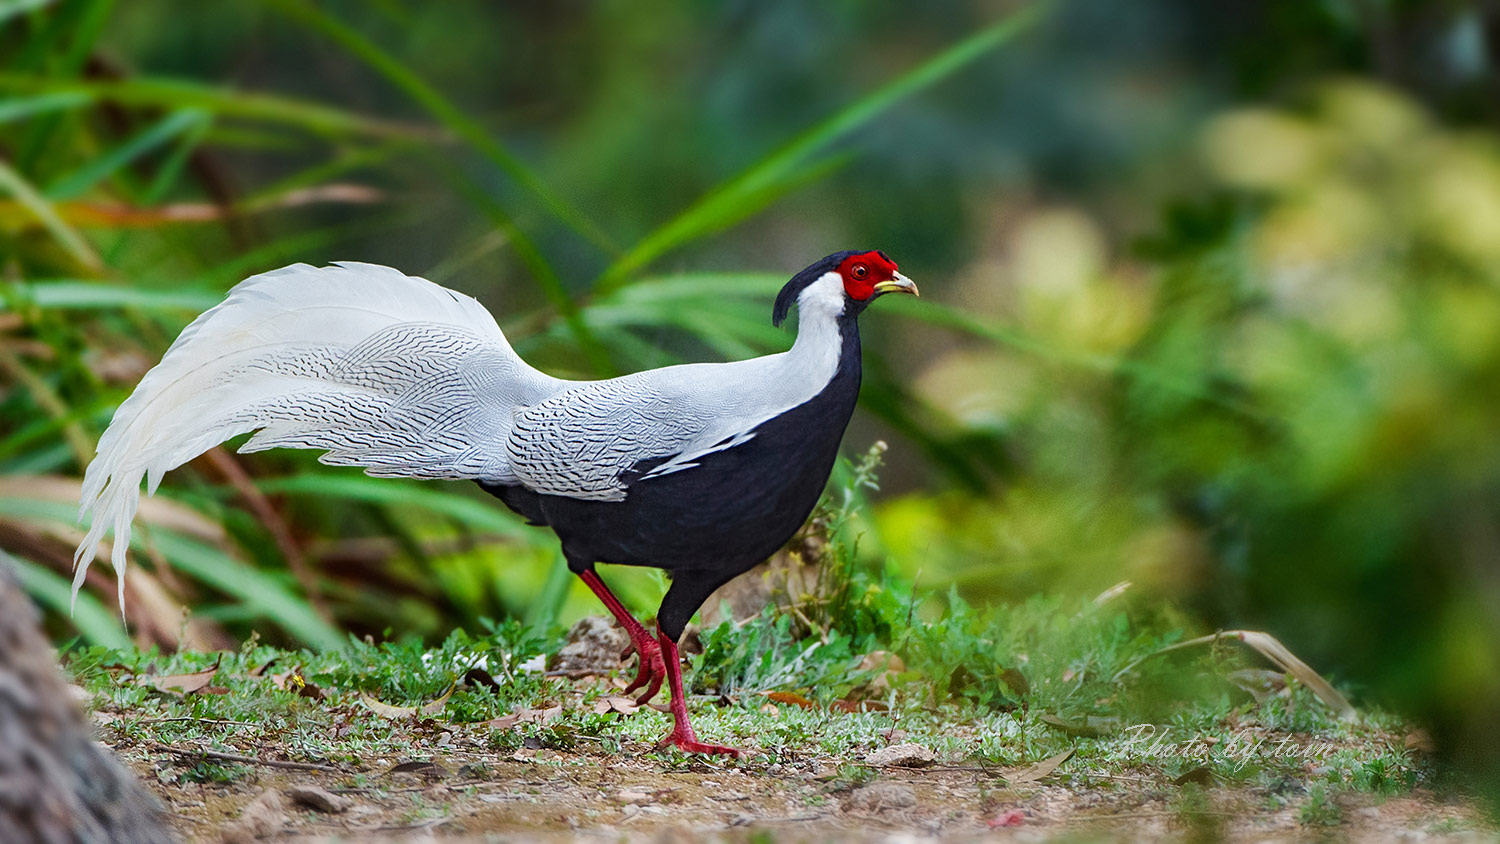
(376,368)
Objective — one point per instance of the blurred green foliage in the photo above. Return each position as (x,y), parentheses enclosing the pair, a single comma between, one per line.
(1213,292)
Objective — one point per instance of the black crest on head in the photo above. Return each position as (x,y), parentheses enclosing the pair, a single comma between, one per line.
(788,295)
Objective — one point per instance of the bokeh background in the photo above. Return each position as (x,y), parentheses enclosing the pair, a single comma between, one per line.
(1211,291)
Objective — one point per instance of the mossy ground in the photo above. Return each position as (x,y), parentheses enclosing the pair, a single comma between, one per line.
(419,751)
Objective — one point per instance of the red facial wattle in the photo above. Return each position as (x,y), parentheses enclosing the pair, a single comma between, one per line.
(861,272)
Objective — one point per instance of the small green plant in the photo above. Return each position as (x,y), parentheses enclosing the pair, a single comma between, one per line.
(850,777)
(215,773)
(1193,810)
(1320,809)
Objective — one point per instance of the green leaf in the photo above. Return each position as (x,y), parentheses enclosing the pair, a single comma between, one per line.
(15,185)
(253,588)
(184,94)
(725,205)
(445,111)
(546,277)
(70,294)
(103,166)
(13,8)
(387,491)
(23,107)
(90,617)
(250,586)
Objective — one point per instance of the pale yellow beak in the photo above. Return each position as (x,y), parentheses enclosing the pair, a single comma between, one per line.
(899,284)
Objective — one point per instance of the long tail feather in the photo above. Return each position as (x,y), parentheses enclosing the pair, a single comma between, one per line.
(376,368)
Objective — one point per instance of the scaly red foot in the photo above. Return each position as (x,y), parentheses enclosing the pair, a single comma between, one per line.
(684,740)
(682,736)
(652,668)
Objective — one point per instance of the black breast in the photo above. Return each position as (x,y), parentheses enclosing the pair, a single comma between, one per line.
(734,509)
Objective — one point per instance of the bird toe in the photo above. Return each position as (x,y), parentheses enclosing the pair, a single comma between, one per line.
(688,745)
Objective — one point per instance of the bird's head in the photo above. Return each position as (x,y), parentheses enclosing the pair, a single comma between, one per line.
(843,283)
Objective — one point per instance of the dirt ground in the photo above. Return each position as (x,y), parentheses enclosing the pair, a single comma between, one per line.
(550,795)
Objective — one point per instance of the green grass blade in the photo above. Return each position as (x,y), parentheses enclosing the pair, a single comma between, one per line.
(24,107)
(723,205)
(536,263)
(90,617)
(757,286)
(728,311)
(478,515)
(253,588)
(260,592)
(343,161)
(13,8)
(181,93)
(543,613)
(103,166)
(177,160)
(444,111)
(15,185)
(70,294)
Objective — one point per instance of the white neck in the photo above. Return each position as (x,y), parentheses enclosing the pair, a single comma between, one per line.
(816,350)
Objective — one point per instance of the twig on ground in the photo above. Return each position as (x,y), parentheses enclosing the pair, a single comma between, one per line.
(1113,816)
(234,757)
(215,721)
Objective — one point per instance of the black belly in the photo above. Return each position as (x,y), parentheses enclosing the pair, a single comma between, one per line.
(728,513)
(720,518)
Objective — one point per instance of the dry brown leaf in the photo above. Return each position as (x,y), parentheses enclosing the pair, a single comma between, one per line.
(1111,593)
(1042,769)
(260,670)
(294,680)
(159,512)
(185,684)
(1272,649)
(385,710)
(789,698)
(431,770)
(480,677)
(1203,776)
(1260,683)
(615,703)
(882,661)
(1420,741)
(522,716)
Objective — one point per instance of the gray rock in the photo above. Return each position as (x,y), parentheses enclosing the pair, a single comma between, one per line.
(317,799)
(594,644)
(902,755)
(881,796)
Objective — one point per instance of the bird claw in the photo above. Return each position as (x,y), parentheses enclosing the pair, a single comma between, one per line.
(652,669)
(688,743)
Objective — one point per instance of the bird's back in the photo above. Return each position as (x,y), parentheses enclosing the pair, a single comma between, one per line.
(726,505)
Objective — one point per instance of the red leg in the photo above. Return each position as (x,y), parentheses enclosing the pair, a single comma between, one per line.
(652,670)
(682,736)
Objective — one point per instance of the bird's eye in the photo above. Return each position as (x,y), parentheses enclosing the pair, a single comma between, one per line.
(860,271)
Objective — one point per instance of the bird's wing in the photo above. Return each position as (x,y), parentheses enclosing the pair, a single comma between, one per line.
(589,442)
(378,369)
